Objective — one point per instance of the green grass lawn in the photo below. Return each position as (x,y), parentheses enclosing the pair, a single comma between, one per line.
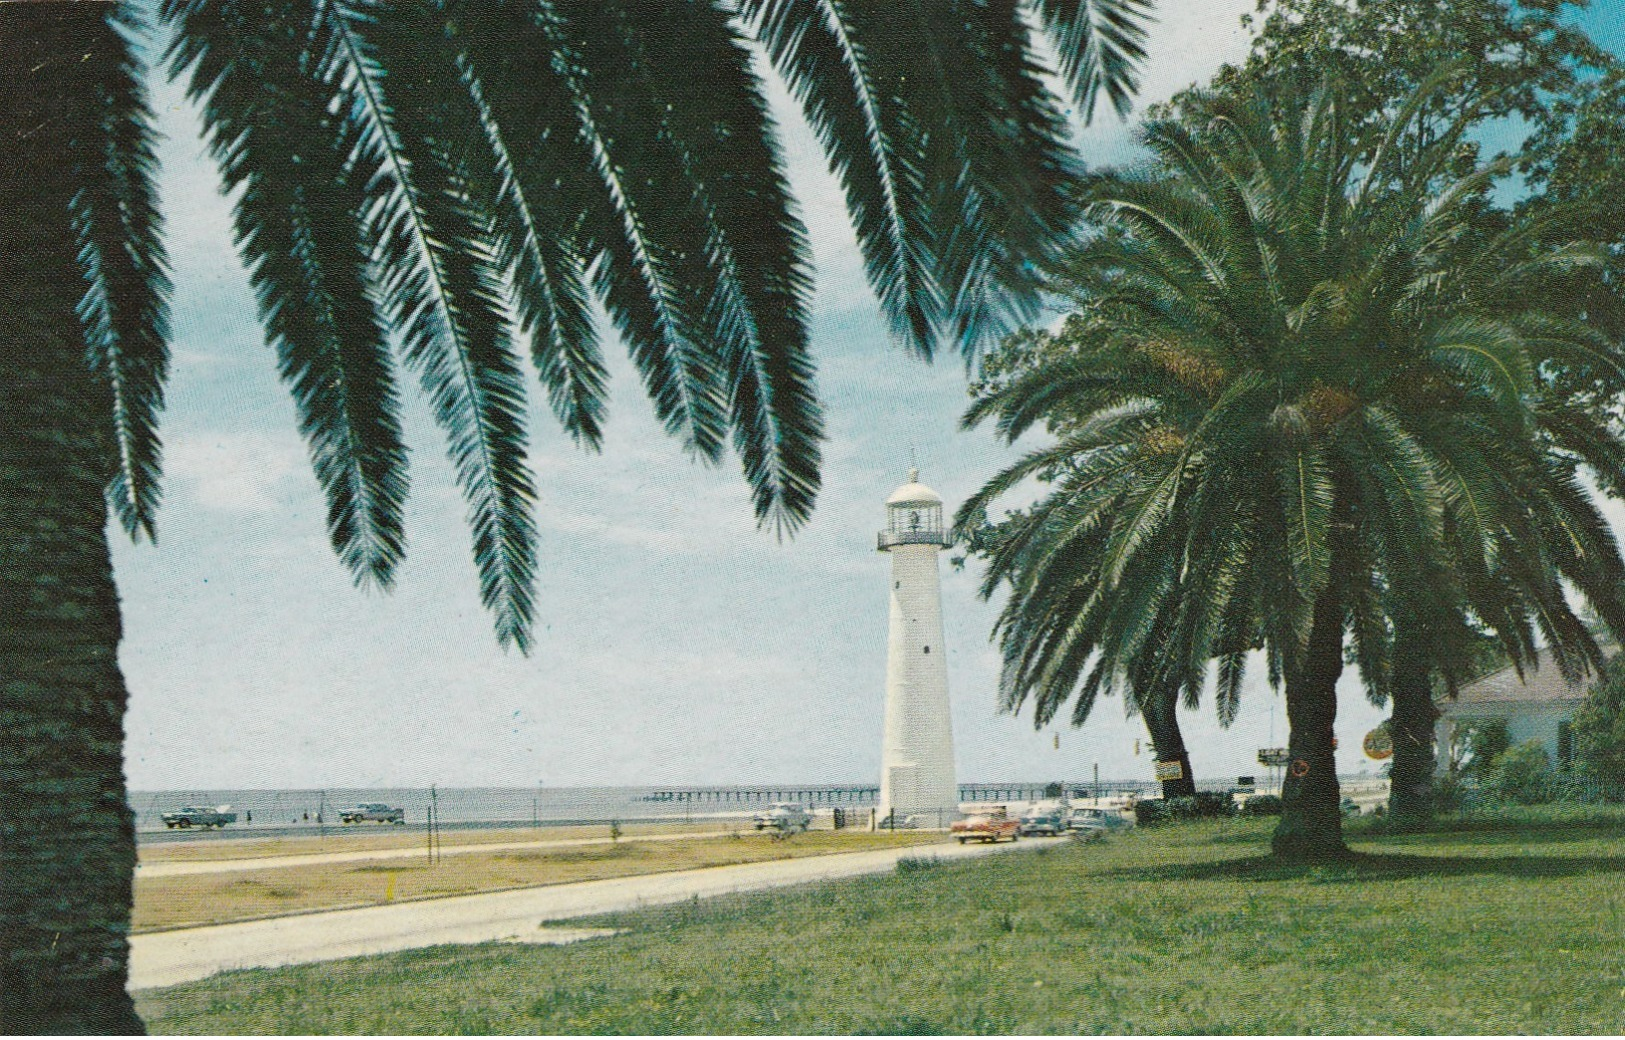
(1489,926)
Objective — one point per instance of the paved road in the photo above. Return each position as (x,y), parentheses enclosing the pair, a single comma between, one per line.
(168,958)
(186,868)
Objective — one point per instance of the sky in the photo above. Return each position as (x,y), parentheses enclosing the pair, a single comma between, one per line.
(676,643)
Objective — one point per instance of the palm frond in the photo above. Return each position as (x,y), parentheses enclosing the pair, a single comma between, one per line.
(124,311)
(813,46)
(299,214)
(548,188)
(1101,44)
(424,150)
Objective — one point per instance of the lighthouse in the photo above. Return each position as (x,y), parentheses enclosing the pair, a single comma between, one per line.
(917,756)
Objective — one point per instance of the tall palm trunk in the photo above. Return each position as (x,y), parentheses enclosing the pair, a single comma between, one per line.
(1160,712)
(1311,826)
(1410,791)
(67,843)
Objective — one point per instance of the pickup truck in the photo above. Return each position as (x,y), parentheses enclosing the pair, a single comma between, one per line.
(199,816)
(373,812)
(986,825)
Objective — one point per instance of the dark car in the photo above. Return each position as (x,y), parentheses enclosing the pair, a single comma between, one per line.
(1097,821)
(1049,821)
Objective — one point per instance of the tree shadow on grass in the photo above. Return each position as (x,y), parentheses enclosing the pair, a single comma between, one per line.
(1469,832)
(1530,835)
(1360,867)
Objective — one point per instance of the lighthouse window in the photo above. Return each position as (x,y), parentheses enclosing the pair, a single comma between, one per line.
(896,584)
(927,649)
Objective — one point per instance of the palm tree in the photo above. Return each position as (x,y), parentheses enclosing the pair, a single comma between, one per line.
(464,179)
(1062,629)
(1311,400)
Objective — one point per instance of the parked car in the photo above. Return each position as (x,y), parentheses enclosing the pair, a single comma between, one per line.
(1048,820)
(199,816)
(894,822)
(1097,821)
(986,825)
(785,817)
(373,812)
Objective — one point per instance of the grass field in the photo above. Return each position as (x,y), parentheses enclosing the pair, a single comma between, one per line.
(1489,926)
(240,895)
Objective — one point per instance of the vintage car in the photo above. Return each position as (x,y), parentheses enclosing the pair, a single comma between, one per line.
(893,822)
(986,824)
(784,817)
(373,812)
(1097,821)
(1049,820)
(199,816)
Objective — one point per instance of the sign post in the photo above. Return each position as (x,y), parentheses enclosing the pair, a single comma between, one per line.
(1275,758)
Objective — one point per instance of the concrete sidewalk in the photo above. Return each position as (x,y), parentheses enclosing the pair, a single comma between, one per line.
(168,958)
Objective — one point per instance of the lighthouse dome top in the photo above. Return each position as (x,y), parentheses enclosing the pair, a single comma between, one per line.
(914,493)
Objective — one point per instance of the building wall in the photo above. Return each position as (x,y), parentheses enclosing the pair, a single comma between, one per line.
(1525,722)
(1539,724)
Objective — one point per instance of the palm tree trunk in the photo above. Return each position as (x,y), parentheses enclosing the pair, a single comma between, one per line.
(1410,791)
(67,843)
(1160,713)
(1311,827)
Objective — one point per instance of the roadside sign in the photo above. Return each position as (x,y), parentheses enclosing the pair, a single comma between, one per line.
(1273,756)
(1379,743)
(1170,771)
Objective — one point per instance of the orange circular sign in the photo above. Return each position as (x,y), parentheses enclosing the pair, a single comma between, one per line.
(1379,743)
(1300,767)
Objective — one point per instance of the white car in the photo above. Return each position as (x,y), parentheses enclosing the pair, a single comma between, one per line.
(785,817)
(373,812)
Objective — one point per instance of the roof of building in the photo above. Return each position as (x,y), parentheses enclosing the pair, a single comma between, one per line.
(1542,684)
(914,493)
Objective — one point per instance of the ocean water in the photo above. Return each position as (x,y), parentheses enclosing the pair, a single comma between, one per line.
(519,805)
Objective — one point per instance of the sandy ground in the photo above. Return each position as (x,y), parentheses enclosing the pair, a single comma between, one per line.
(217,866)
(168,958)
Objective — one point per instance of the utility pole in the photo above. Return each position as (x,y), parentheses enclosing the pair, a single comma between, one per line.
(433,832)
(1097,783)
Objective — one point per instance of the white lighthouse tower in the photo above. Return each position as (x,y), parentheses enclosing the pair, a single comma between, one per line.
(917,758)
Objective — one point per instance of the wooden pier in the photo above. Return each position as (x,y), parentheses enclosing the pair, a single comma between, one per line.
(836,795)
(840,794)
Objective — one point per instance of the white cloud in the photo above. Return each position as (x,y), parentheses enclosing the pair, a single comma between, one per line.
(238,472)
